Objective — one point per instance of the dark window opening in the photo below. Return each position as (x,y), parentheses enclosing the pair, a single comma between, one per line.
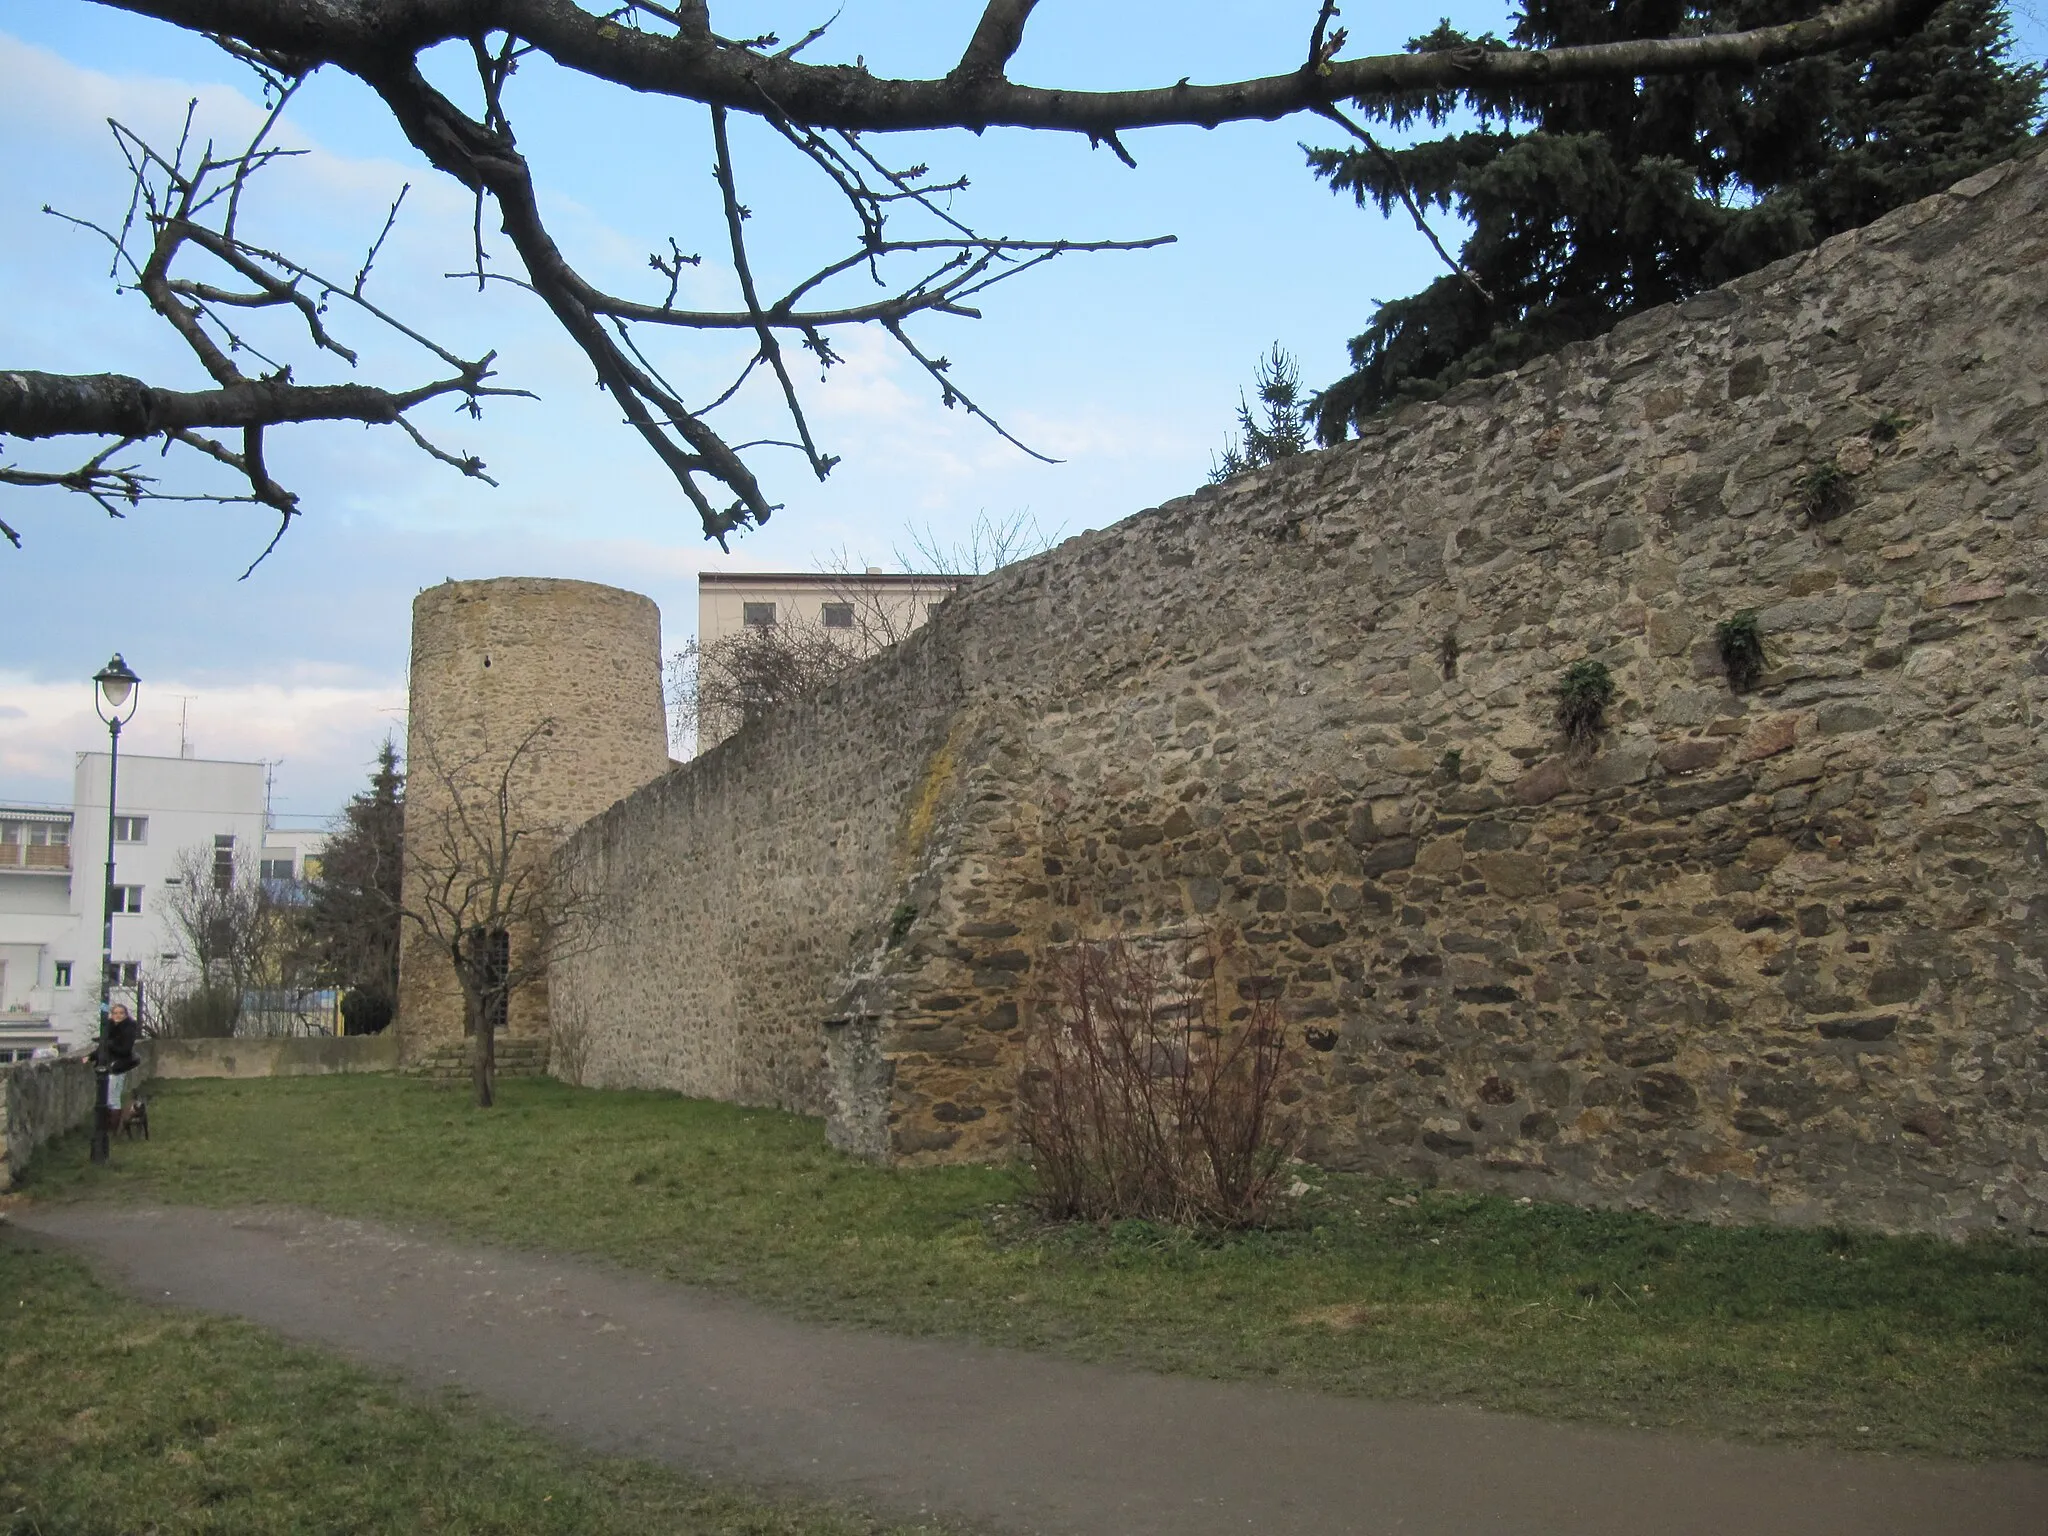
(757,615)
(838,615)
(496,954)
(224,862)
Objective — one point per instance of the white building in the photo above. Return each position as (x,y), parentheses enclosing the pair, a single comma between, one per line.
(52,878)
(869,610)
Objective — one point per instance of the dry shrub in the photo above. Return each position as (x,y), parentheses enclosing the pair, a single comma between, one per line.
(1139,1099)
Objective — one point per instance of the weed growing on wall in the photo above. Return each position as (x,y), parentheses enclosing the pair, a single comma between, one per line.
(1742,650)
(1582,700)
(1141,1100)
(900,921)
(1824,493)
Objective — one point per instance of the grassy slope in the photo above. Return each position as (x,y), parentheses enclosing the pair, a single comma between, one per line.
(1901,1344)
(119,1417)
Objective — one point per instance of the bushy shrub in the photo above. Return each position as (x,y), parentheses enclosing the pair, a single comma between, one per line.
(203,1013)
(365,1011)
(1139,1099)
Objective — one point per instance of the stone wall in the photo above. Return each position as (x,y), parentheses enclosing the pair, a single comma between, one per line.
(749,883)
(276,1056)
(566,672)
(43,1099)
(1775,954)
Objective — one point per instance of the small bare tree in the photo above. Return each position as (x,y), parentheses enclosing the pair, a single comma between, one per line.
(478,884)
(233,937)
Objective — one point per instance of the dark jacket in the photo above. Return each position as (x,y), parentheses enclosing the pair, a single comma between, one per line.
(118,1053)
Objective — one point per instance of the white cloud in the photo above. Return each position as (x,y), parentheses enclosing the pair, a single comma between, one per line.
(50,98)
(316,729)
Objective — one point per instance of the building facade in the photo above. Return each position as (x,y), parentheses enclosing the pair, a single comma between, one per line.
(869,610)
(171,812)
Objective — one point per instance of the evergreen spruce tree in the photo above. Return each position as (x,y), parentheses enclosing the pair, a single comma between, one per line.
(1590,201)
(353,916)
(1278,431)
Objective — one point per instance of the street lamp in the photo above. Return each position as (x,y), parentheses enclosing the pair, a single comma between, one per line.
(114,696)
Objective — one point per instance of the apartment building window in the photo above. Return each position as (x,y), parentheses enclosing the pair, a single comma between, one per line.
(127,898)
(837,615)
(275,869)
(224,862)
(131,829)
(34,834)
(124,973)
(63,976)
(757,615)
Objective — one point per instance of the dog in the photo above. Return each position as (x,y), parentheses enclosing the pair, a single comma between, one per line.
(132,1118)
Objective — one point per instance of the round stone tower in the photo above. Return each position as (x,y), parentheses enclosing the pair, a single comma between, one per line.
(550,689)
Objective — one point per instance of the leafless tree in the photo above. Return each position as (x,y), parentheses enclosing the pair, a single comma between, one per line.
(235,938)
(991,543)
(182,249)
(478,887)
(716,688)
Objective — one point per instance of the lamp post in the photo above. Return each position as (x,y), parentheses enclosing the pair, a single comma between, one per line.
(114,696)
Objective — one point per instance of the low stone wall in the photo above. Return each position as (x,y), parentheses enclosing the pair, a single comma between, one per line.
(281,1056)
(1774,951)
(42,1099)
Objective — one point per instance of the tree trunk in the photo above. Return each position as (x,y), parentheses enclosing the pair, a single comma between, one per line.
(483,1059)
(485,1065)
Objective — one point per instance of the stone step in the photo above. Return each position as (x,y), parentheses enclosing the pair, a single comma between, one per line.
(520,1056)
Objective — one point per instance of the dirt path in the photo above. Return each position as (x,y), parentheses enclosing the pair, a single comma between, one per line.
(1012,1441)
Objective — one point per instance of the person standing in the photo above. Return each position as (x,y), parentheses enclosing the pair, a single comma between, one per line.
(116,1057)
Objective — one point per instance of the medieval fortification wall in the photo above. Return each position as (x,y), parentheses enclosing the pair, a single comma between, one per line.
(570,670)
(1778,954)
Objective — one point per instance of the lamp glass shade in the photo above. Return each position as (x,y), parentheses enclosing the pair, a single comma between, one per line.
(116,680)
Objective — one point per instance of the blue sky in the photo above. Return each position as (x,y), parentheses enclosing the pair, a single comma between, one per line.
(1126,366)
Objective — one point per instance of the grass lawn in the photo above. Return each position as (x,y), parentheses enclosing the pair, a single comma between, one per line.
(1901,1344)
(119,1417)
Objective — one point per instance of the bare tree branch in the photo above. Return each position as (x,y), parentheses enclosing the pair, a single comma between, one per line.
(771,350)
(180,209)
(1373,145)
(168,211)
(996,39)
(360,34)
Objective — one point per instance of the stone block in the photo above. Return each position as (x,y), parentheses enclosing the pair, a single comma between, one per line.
(1513,876)
(1691,755)
(1697,795)
(1541,784)
(1768,737)
(1841,718)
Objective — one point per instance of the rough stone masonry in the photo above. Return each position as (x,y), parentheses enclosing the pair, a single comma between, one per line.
(1775,954)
